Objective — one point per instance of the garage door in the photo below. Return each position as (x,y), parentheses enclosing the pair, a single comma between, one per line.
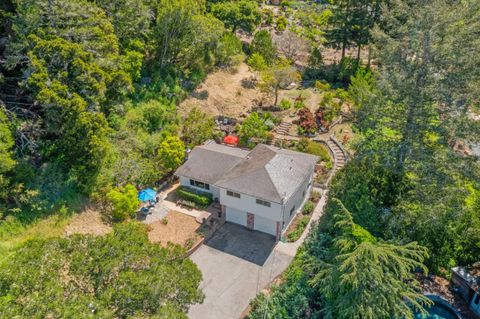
(265,225)
(236,216)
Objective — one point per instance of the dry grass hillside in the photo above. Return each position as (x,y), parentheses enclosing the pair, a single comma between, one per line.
(222,93)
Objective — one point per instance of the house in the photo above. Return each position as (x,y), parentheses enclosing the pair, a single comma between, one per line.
(261,189)
(467,284)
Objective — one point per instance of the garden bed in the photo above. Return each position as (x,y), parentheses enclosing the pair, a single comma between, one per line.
(299,223)
(297,227)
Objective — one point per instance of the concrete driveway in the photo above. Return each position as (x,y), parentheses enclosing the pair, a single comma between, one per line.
(236,264)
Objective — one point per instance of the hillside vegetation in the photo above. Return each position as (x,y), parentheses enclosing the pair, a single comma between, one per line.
(99,99)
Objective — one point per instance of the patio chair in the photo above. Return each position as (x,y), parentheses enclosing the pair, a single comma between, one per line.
(144,211)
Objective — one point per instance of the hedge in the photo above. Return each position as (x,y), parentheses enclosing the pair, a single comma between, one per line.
(202,200)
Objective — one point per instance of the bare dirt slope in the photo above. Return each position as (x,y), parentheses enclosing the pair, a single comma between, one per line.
(88,222)
(222,93)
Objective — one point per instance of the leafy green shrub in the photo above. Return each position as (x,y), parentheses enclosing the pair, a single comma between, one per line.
(306,145)
(202,200)
(189,243)
(298,231)
(285,3)
(164,221)
(124,201)
(302,145)
(227,48)
(315,196)
(285,104)
(267,16)
(262,44)
(253,127)
(320,150)
(343,95)
(329,107)
(257,62)
(281,24)
(322,86)
(329,165)
(308,208)
(299,104)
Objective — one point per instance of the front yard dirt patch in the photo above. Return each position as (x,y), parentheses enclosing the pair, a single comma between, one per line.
(178,229)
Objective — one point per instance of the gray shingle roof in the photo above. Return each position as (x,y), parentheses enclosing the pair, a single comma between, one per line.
(210,162)
(266,172)
(269,173)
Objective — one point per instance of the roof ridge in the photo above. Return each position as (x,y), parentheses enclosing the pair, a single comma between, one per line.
(225,153)
(271,180)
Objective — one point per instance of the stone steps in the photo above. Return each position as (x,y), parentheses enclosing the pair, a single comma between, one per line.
(338,154)
(283,128)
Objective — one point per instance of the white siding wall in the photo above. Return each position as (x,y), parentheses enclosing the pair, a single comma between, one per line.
(265,225)
(185,181)
(236,216)
(265,217)
(247,203)
(296,200)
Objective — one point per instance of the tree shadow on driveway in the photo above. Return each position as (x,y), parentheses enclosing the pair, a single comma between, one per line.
(236,240)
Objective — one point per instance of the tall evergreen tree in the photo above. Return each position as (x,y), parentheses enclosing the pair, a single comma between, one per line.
(352,22)
(7,162)
(366,277)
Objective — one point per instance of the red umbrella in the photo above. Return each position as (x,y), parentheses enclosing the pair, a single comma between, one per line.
(230,139)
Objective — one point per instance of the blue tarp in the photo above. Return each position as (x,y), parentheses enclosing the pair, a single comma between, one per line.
(147,195)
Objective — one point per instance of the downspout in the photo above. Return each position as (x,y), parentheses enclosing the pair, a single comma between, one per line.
(283,216)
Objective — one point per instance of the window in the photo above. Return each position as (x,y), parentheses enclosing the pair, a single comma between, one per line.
(263,202)
(199,184)
(292,210)
(233,194)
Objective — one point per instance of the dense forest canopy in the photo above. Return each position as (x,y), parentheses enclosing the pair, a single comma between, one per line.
(151,281)
(89,95)
(406,182)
